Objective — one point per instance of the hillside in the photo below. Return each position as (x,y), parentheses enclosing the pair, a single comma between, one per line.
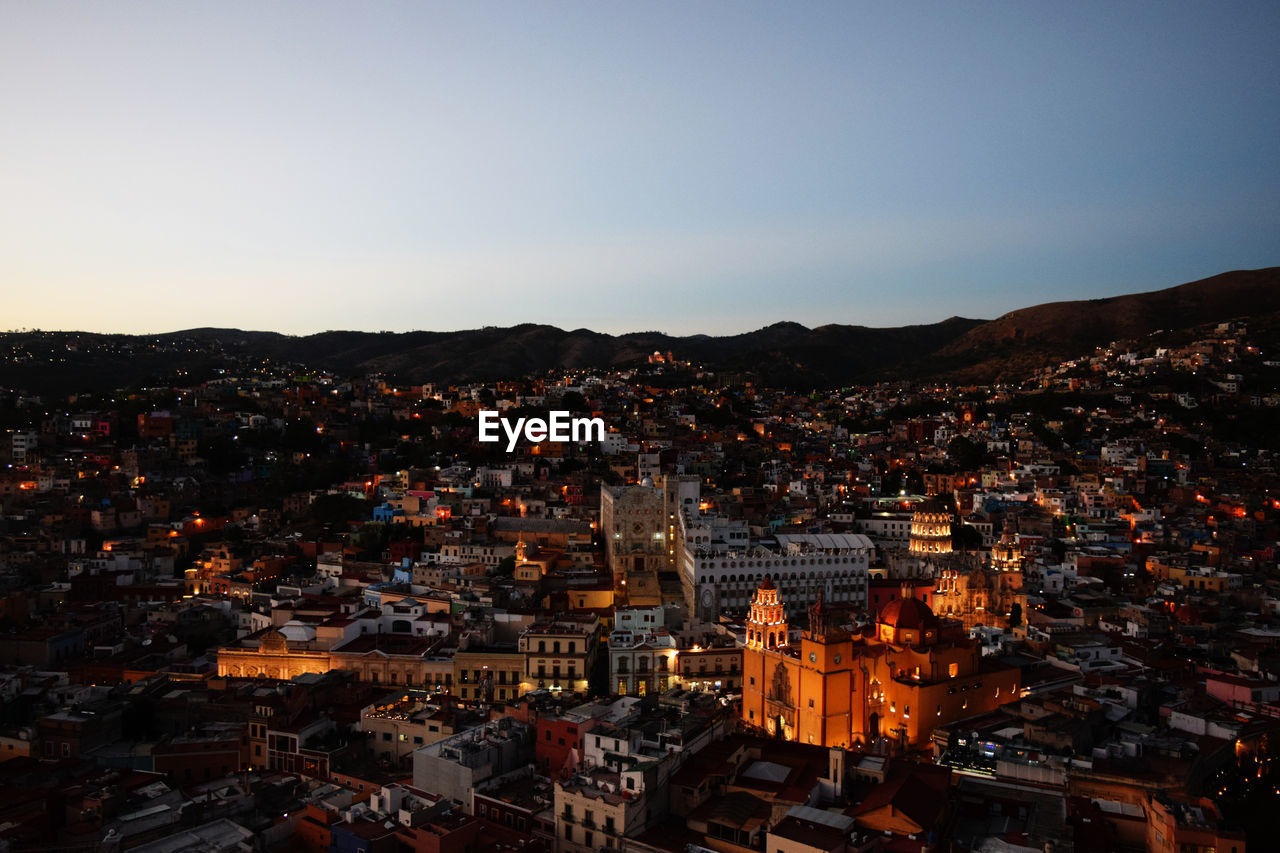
(1012,345)
(783,354)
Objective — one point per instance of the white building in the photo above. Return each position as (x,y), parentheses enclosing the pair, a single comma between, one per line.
(722,578)
(24,445)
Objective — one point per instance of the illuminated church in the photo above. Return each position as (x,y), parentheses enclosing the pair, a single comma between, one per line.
(888,683)
(931,528)
(990,594)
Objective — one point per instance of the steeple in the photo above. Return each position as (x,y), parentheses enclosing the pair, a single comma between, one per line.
(767,619)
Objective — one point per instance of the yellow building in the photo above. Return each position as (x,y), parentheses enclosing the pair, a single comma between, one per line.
(560,653)
(895,680)
(488,673)
(275,656)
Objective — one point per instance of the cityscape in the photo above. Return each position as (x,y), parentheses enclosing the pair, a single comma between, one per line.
(552,426)
(270,606)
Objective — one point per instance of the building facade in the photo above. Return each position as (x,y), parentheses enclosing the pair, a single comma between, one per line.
(802,566)
(885,685)
(560,653)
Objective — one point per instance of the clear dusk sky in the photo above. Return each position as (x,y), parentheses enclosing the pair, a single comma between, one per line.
(706,166)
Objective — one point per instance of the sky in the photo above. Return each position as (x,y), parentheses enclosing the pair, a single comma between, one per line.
(690,167)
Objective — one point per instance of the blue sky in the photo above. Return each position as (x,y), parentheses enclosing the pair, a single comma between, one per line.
(690,167)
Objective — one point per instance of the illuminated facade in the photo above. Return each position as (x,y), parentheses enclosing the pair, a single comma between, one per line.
(767,620)
(891,682)
(274,657)
(931,528)
(989,595)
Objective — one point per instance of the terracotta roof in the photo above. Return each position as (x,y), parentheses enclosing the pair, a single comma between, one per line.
(918,792)
(908,613)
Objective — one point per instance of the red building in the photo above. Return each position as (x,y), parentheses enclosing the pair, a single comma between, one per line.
(452,833)
(313,829)
(559,743)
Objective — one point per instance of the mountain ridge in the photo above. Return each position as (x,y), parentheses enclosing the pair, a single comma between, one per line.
(784,353)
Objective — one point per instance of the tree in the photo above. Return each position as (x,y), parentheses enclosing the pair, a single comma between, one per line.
(968,455)
(336,509)
(965,537)
(574,402)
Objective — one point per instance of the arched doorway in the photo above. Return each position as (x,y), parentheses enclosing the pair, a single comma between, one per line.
(873,726)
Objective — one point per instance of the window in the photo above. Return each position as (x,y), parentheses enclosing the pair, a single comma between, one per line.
(953,669)
(568,832)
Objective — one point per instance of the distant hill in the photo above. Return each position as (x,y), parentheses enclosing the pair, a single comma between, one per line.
(783,354)
(1010,346)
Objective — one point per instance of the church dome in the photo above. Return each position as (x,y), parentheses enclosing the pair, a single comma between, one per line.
(907,621)
(908,613)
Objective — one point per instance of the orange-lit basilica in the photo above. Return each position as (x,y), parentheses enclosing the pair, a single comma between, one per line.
(897,679)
